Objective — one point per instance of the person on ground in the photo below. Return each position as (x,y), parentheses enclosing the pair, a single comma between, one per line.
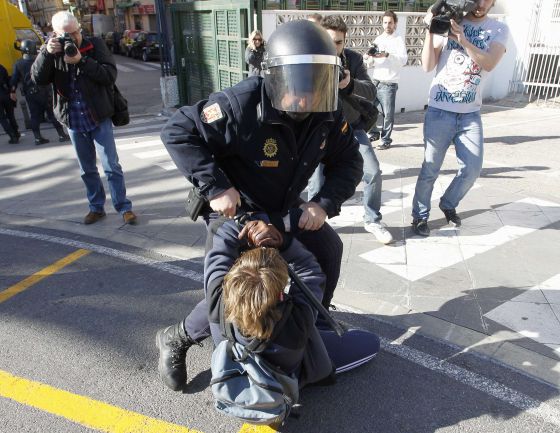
(84,84)
(386,65)
(462,61)
(253,147)
(356,84)
(7,105)
(254,53)
(245,277)
(39,98)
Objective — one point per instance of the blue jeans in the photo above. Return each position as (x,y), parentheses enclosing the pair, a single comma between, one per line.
(85,144)
(441,128)
(371,178)
(385,102)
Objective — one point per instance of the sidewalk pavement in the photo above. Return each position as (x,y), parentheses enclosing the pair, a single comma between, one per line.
(491,287)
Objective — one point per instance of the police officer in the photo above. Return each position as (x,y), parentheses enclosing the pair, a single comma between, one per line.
(7,119)
(253,147)
(39,98)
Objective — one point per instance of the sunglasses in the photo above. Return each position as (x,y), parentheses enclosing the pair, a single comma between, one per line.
(257,39)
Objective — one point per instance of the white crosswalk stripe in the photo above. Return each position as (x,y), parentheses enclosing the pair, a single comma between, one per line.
(139,144)
(534,314)
(122,68)
(417,258)
(151,154)
(123,130)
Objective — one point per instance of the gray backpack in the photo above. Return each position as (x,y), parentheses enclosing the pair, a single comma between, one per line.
(248,387)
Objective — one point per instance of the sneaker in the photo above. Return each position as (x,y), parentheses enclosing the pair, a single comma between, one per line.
(63,137)
(451,216)
(379,230)
(93,217)
(173,343)
(384,146)
(374,136)
(420,227)
(129,217)
(42,140)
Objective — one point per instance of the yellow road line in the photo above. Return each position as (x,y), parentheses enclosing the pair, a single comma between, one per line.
(82,410)
(250,428)
(38,276)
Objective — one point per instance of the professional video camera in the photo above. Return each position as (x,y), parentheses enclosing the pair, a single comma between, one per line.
(446,10)
(373,50)
(67,43)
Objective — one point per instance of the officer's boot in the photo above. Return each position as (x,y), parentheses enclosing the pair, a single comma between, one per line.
(173,343)
(62,136)
(39,139)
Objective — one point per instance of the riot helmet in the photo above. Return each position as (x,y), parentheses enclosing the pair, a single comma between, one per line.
(28,47)
(301,69)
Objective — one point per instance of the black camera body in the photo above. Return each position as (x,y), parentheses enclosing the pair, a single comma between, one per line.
(68,45)
(373,50)
(446,10)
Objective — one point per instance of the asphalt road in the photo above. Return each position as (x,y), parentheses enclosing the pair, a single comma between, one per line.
(80,306)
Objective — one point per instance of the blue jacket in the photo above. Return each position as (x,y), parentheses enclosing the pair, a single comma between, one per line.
(298,347)
(235,138)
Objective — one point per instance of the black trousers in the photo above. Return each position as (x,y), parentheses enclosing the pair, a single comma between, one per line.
(7,118)
(40,104)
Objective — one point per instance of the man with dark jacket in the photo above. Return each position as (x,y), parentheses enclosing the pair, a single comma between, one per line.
(83,80)
(7,119)
(39,98)
(356,88)
(253,147)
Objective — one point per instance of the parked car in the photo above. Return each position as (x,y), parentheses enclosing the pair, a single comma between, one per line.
(129,36)
(146,46)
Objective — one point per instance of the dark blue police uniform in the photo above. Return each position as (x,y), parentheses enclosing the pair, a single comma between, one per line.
(236,138)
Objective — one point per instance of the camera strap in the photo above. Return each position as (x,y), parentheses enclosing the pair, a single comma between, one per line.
(85,50)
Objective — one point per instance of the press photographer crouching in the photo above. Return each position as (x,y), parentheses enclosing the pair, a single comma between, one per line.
(83,73)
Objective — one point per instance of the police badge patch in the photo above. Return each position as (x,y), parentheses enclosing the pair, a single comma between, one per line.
(270,148)
(211,113)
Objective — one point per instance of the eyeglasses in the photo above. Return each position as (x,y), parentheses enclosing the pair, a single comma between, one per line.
(257,39)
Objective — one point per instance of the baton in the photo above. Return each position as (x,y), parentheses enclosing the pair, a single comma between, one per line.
(241,219)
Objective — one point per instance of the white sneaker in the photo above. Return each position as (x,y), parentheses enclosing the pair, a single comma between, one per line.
(379,230)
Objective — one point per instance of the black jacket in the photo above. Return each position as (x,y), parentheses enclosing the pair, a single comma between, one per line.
(96,77)
(360,85)
(298,347)
(237,139)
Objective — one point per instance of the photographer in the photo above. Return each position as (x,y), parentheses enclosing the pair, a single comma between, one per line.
(387,61)
(355,88)
(83,73)
(462,61)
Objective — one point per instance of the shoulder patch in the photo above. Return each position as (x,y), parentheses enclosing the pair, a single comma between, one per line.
(211,113)
(344,128)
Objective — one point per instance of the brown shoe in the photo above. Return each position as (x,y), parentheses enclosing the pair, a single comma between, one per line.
(93,217)
(129,217)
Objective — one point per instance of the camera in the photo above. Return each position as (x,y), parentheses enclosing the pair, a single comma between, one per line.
(68,45)
(446,10)
(373,50)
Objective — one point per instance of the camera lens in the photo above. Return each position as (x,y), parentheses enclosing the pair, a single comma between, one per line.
(70,49)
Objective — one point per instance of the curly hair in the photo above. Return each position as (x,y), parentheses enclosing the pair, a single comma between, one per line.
(255,34)
(252,289)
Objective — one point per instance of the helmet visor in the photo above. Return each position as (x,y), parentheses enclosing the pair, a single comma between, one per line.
(303,88)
